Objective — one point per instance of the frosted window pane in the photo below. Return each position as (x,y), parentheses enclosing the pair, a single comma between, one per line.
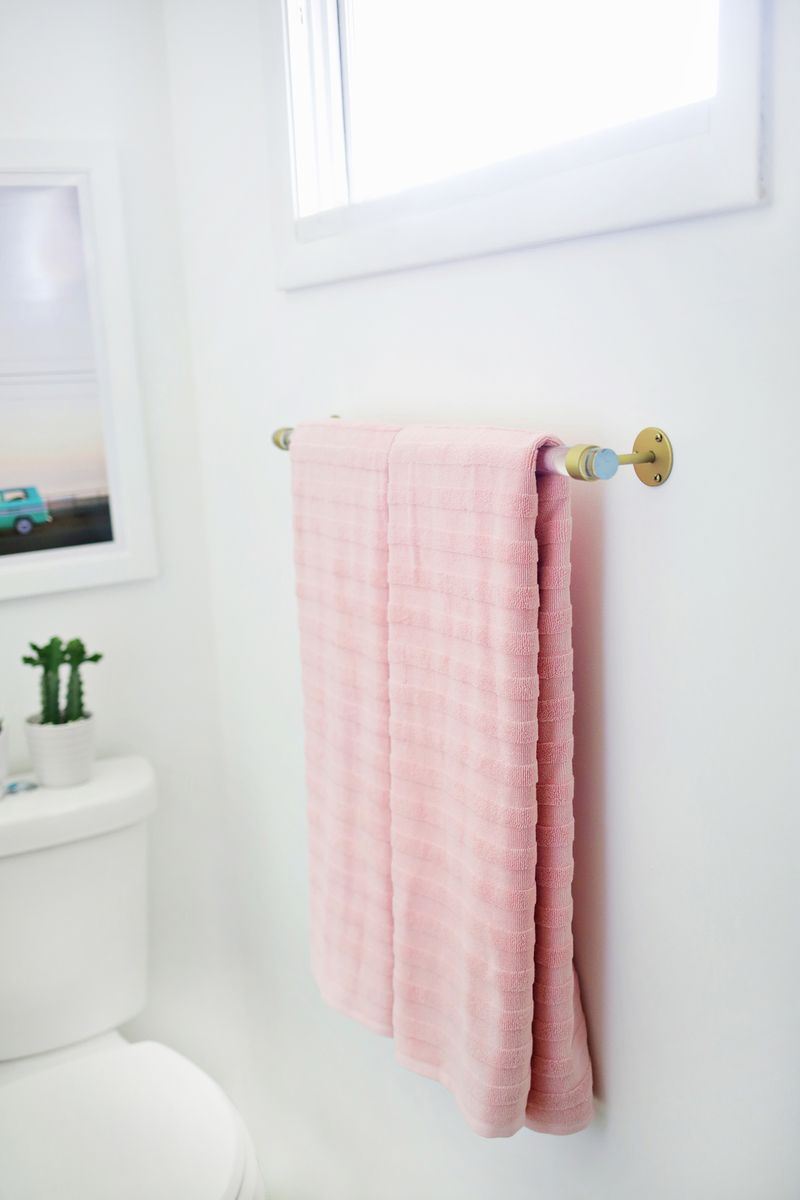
(438,87)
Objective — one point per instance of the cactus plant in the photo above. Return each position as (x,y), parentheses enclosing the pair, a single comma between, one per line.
(75,655)
(51,658)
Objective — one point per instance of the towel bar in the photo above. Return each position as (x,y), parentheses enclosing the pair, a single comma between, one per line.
(651,458)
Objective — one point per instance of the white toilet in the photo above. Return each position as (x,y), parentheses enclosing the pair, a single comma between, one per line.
(84,1114)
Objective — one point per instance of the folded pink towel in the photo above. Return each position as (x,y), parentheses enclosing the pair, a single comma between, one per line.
(433,574)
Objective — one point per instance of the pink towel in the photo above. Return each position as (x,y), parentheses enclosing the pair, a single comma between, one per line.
(433,574)
(339,476)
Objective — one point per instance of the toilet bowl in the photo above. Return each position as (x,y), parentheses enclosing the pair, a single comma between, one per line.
(131,1122)
(85,1114)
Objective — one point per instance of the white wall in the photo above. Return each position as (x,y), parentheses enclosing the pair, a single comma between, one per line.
(686,635)
(685,625)
(95,69)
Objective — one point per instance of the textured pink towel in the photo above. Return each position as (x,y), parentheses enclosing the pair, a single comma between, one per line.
(433,574)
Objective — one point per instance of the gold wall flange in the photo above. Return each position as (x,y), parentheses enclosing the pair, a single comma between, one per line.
(652,456)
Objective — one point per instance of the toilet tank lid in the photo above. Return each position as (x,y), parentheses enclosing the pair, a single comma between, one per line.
(121,792)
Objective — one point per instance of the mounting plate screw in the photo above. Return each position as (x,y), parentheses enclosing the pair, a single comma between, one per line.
(659,437)
(657,478)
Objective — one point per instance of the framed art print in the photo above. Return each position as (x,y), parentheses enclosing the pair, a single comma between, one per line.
(75,505)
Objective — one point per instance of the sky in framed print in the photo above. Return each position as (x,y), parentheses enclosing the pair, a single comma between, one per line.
(54,478)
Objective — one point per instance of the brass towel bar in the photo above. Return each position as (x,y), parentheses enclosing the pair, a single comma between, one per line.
(651,458)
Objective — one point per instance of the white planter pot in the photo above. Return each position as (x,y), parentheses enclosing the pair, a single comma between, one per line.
(62,755)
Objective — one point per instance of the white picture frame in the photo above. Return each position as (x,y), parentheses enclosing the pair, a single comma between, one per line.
(129,553)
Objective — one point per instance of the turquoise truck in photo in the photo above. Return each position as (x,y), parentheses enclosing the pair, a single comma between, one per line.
(22,509)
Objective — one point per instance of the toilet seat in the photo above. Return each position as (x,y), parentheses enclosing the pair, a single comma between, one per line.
(137,1122)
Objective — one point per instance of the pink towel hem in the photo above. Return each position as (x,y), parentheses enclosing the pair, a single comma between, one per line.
(490,1129)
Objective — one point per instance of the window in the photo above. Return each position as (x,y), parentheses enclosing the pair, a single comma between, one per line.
(16,494)
(434,88)
(487,125)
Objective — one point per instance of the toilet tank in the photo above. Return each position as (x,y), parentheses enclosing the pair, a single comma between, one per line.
(73,908)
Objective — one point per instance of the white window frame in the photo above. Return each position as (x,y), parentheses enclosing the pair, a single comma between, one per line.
(700,159)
